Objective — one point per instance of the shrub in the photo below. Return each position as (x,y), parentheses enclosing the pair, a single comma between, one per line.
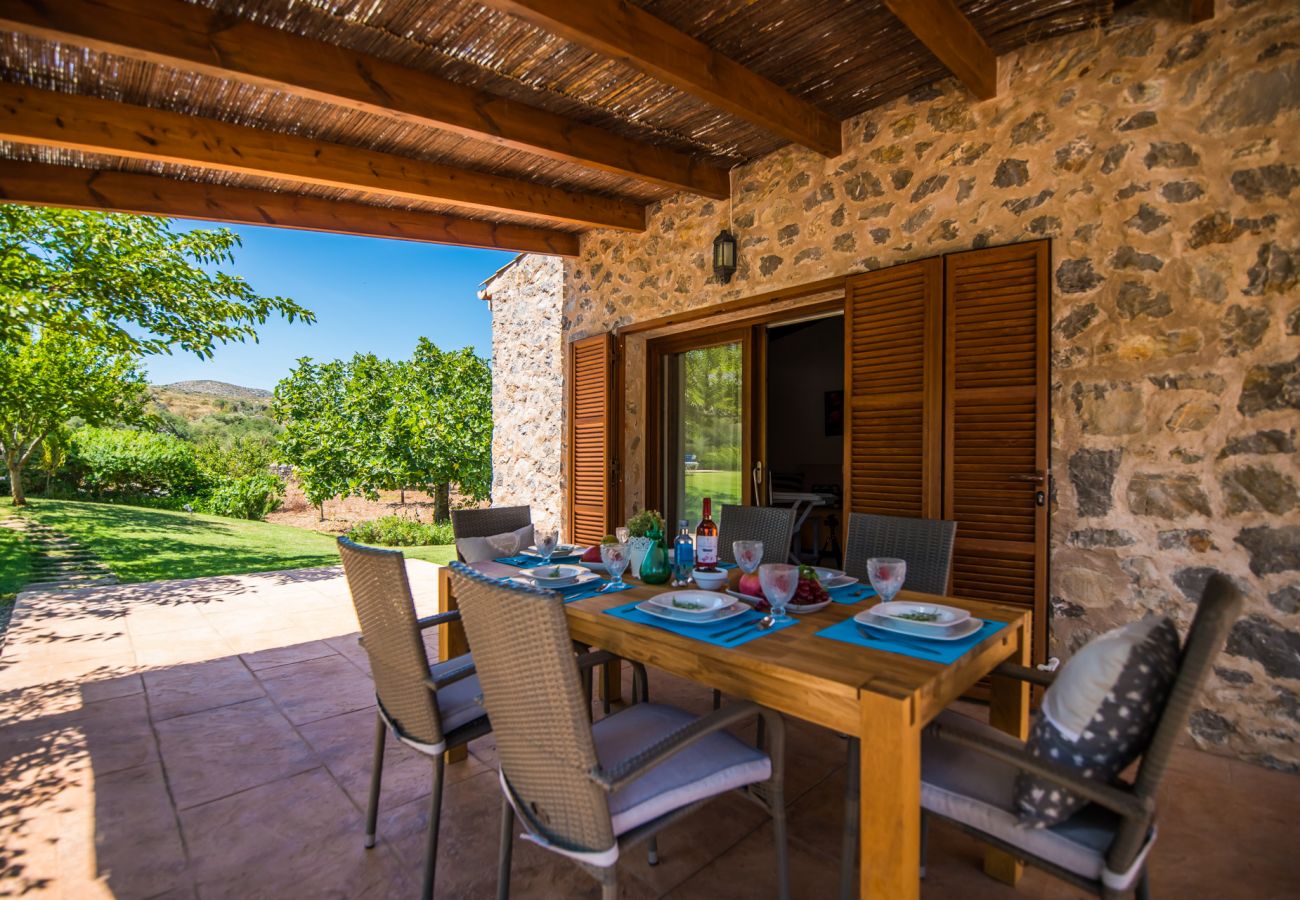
(238,456)
(126,462)
(244,496)
(399,531)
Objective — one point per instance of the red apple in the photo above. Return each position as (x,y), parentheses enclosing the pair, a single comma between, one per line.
(750,585)
(592,554)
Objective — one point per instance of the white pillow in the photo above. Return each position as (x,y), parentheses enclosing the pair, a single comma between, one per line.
(478,549)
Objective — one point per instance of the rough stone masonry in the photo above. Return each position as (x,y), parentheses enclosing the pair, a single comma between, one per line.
(1161,159)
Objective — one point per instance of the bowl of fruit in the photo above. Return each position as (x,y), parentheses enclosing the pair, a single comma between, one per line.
(809,597)
(590,558)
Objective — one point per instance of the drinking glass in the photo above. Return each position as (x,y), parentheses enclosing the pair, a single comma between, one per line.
(546,539)
(622,533)
(779,580)
(748,555)
(886,575)
(616,558)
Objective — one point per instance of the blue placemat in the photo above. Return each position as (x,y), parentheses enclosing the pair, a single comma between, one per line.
(591,589)
(850,632)
(851,593)
(532,562)
(732,632)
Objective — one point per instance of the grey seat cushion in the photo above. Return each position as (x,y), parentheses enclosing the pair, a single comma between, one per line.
(969,787)
(712,766)
(458,702)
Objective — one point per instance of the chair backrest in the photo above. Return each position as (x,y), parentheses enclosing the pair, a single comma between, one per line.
(391,635)
(926,545)
(538,709)
(773,525)
(1219,608)
(467,523)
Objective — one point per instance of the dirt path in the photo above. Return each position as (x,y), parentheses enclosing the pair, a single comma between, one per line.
(340,515)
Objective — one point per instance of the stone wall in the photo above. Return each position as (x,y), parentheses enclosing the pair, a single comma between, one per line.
(1159,158)
(528,386)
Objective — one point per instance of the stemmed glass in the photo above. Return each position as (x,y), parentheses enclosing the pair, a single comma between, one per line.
(546,539)
(886,575)
(779,581)
(748,555)
(623,533)
(616,558)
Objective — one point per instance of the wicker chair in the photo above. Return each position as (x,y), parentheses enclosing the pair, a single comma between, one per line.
(968,773)
(926,545)
(773,525)
(431,709)
(591,792)
(467,523)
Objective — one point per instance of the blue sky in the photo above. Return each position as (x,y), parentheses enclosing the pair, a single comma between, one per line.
(369,295)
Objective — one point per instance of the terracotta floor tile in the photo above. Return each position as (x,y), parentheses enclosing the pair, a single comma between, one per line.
(181,690)
(748,870)
(219,752)
(137,838)
(318,688)
(290,653)
(171,648)
(348,647)
(293,837)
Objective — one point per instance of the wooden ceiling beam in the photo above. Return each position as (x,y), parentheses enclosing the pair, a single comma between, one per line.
(950,36)
(637,39)
(73,122)
(39,184)
(194,38)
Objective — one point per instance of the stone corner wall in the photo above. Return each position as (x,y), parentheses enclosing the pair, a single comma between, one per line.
(1160,159)
(528,386)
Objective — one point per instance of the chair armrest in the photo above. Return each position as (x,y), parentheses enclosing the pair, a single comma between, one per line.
(594,658)
(450,676)
(1024,673)
(1117,799)
(441,618)
(634,767)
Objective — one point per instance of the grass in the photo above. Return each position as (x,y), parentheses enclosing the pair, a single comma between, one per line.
(722,486)
(140,544)
(15,563)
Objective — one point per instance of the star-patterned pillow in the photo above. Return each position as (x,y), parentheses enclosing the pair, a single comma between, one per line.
(1099,714)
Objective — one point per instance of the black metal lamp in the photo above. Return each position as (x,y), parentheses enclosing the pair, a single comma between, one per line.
(724,255)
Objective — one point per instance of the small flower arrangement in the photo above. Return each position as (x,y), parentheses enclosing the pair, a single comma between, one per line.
(644,522)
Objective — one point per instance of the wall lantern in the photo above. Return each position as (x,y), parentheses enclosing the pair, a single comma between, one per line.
(724,255)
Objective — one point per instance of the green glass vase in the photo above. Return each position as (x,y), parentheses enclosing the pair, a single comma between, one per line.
(654,568)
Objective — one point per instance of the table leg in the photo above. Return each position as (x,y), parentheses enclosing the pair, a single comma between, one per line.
(1009,712)
(451,642)
(611,685)
(890,766)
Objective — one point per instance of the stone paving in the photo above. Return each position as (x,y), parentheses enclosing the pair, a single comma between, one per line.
(212,738)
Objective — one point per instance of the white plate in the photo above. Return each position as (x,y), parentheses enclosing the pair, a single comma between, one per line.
(564,575)
(748,598)
(663,612)
(824,574)
(895,612)
(789,607)
(528,581)
(954,633)
(709,602)
(842,581)
(596,566)
(560,550)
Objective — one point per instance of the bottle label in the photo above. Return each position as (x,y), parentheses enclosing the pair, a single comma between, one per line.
(706,548)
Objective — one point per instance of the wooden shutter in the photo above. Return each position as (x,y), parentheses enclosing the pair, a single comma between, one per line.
(995,423)
(892,380)
(591,438)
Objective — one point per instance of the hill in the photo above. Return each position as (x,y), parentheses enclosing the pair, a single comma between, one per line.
(194,400)
(216,389)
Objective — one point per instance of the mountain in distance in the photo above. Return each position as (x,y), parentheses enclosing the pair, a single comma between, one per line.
(216,389)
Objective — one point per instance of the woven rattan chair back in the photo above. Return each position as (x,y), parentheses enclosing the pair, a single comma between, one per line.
(773,525)
(391,635)
(468,523)
(926,545)
(539,711)
(1219,608)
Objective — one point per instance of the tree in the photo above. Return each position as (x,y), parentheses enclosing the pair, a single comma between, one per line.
(453,392)
(128,284)
(317,440)
(49,378)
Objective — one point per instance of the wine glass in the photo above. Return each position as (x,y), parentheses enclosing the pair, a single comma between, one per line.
(616,558)
(886,575)
(779,581)
(623,534)
(546,539)
(748,555)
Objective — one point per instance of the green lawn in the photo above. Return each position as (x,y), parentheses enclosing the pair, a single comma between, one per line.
(15,564)
(721,486)
(140,544)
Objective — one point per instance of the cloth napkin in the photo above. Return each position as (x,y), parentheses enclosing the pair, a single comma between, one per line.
(532,562)
(851,593)
(728,633)
(850,632)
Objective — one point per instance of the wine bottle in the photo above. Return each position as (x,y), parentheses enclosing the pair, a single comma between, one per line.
(706,540)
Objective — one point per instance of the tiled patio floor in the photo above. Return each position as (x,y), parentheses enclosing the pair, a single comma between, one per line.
(213,736)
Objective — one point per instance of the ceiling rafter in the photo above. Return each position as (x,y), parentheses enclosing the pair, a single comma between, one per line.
(637,39)
(950,36)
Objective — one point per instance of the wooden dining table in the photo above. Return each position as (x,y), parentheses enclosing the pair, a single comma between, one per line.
(882,698)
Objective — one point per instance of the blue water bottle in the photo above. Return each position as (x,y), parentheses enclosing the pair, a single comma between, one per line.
(683,557)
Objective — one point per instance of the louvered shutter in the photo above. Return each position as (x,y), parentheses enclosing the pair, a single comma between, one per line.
(591,389)
(995,419)
(892,378)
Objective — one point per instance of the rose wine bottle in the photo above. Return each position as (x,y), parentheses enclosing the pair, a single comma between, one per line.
(706,540)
